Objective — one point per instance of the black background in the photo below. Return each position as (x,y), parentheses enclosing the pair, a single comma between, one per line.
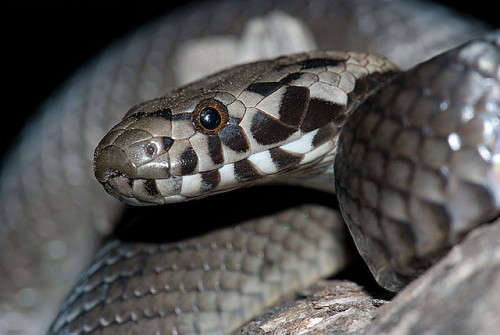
(45,42)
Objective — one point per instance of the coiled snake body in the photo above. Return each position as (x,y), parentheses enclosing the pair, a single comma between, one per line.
(412,157)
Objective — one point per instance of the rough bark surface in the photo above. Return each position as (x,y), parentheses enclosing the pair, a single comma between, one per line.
(333,307)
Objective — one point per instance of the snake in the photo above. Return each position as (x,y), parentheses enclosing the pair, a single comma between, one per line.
(338,121)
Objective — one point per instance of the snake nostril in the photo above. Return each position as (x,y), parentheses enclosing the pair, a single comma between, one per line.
(150,149)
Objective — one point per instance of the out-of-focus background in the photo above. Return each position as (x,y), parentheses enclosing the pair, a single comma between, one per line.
(44,42)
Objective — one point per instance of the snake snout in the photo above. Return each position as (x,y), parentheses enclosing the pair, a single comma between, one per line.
(110,162)
(114,171)
(128,172)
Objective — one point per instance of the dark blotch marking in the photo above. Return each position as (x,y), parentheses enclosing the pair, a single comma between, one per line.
(318,62)
(167,143)
(138,115)
(234,138)
(215,149)
(189,161)
(284,160)
(294,106)
(361,88)
(245,171)
(366,85)
(289,78)
(182,116)
(320,113)
(267,130)
(165,113)
(150,187)
(264,89)
(325,134)
(209,180)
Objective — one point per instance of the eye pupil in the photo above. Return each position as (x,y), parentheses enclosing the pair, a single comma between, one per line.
(210,118)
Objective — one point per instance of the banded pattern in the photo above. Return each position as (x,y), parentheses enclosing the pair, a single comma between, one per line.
(284,117)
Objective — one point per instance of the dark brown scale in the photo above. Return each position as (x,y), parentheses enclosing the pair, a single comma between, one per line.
(167,143)
(320,113)
(234,138)
(264,89)
(325,134)
(150,187)
(267,130)
(290,78)
(189,161)
(209,180)
(284,160)
(245,171)
(319,62)
(215,149)
(294,106)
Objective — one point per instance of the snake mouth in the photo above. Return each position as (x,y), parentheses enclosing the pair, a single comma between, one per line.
(119,177)
(137,192)
(119,186)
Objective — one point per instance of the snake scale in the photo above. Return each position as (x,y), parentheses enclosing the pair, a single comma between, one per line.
(250,122)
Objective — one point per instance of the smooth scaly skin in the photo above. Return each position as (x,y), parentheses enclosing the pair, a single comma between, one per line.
(51,207)
(418,164)
(417,168)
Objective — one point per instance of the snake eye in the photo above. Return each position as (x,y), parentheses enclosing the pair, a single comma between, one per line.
(210,116)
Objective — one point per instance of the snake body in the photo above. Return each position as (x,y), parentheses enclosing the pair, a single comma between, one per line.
(213,283)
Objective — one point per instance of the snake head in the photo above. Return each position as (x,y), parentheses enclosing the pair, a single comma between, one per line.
(252,123)
(170,149)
